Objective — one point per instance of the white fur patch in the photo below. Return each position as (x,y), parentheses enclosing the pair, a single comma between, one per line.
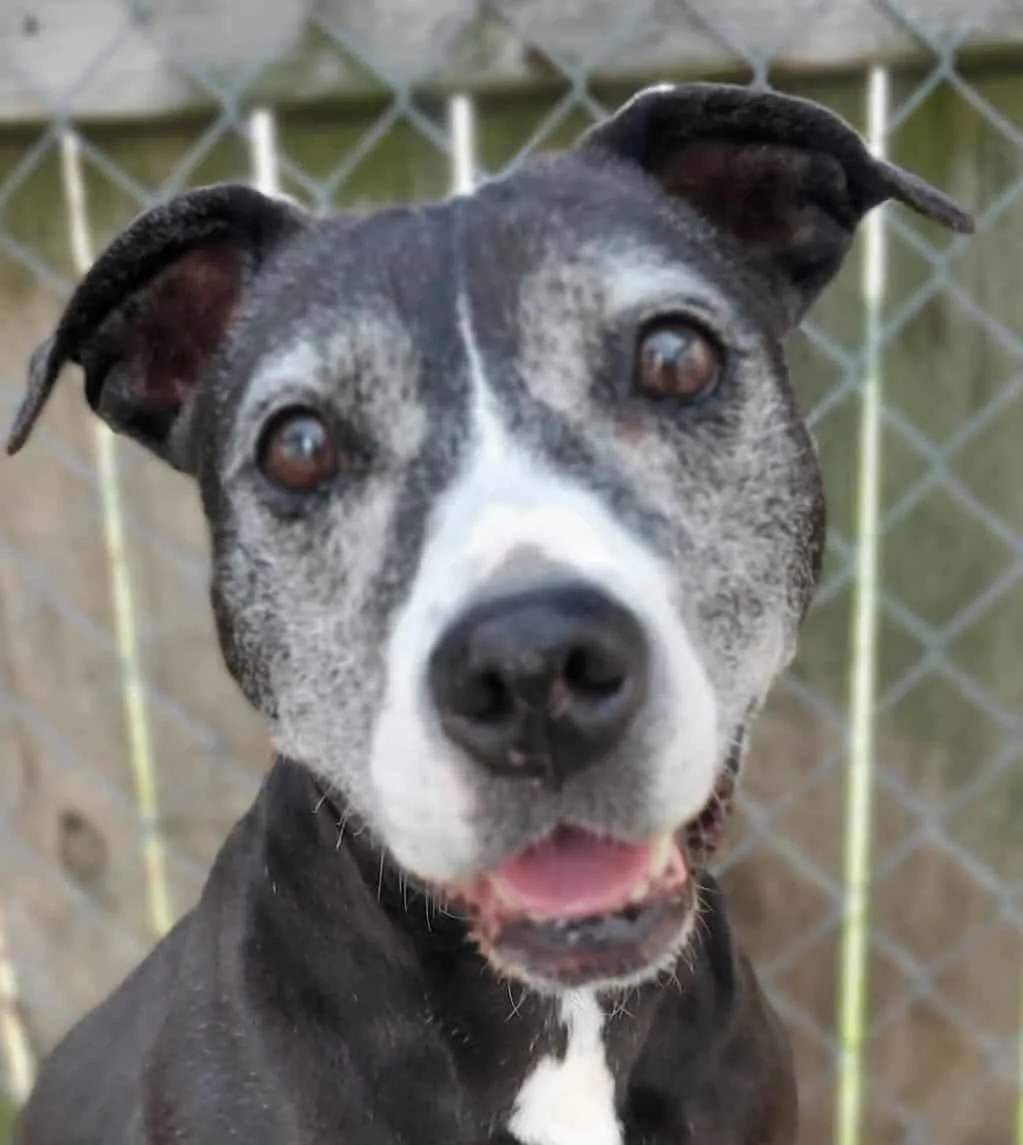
(503,504)
(570,1101)
(637,283)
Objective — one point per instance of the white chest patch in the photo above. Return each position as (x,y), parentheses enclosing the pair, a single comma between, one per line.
(570,1101)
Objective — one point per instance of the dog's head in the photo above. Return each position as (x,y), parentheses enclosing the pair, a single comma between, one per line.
(514,515)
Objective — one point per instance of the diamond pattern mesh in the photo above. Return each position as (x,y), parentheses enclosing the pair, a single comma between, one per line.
(158,98)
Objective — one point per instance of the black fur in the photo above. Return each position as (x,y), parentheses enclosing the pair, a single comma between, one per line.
(312,996)
(315,995)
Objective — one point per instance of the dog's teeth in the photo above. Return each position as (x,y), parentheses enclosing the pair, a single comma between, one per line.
(639,892)
(661,855)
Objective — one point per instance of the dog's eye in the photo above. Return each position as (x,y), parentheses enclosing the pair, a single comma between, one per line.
(676,359)
(297,452)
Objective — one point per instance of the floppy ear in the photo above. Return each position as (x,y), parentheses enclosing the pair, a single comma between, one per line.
(151,315)
(787,179)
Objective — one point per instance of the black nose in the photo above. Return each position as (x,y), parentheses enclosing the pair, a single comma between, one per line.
(543,683)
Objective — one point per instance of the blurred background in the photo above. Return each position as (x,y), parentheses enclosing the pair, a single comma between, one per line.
(876,865)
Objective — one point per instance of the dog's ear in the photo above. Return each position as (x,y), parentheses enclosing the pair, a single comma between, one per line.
(786,178)
(149,318)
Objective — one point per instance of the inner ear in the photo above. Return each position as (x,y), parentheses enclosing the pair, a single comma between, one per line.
(766,195)
(789,208)
(782,179)
(147,358)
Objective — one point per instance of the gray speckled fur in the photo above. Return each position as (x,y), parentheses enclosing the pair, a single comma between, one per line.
(474,357)
(553,269)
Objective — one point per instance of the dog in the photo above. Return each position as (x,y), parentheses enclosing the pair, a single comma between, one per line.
(514,519)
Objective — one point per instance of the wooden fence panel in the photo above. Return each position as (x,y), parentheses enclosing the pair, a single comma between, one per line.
(159,58)
(65,788)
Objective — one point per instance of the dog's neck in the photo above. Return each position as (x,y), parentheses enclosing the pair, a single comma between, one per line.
(349,926)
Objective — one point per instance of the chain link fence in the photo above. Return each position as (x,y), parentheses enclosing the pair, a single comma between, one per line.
(876,868)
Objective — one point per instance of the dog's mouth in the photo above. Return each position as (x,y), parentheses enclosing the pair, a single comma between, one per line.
(578,908)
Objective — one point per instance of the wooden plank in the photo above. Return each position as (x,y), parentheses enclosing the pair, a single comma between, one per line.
(61,736)
(78,917)
(944,368)
(103,59)
(69,839)
(359,164)
(940,370)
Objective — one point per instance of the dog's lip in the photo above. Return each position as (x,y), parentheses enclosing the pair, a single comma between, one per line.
(614,909)
(606,949)
(621,916)
(702,835)
(573,874)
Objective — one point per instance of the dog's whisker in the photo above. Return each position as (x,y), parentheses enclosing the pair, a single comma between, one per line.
(341,829)
(620,1006)
(516,1006)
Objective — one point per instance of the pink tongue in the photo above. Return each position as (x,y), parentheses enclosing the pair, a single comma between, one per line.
(573,874)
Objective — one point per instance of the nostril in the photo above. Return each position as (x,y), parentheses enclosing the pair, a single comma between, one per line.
(592,672)
(485,698)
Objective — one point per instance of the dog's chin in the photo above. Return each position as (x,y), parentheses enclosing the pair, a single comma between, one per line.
(582,910)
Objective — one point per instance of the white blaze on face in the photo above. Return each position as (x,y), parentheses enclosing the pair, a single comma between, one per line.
(506,503)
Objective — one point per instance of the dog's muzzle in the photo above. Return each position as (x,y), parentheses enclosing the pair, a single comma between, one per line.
(539,687)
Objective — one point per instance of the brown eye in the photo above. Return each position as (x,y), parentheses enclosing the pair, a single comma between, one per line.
(676,359)
(297,452)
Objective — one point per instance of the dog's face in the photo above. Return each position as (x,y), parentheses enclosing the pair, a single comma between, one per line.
(514,515)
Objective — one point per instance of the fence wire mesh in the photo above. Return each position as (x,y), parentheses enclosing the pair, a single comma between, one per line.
(876,871)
